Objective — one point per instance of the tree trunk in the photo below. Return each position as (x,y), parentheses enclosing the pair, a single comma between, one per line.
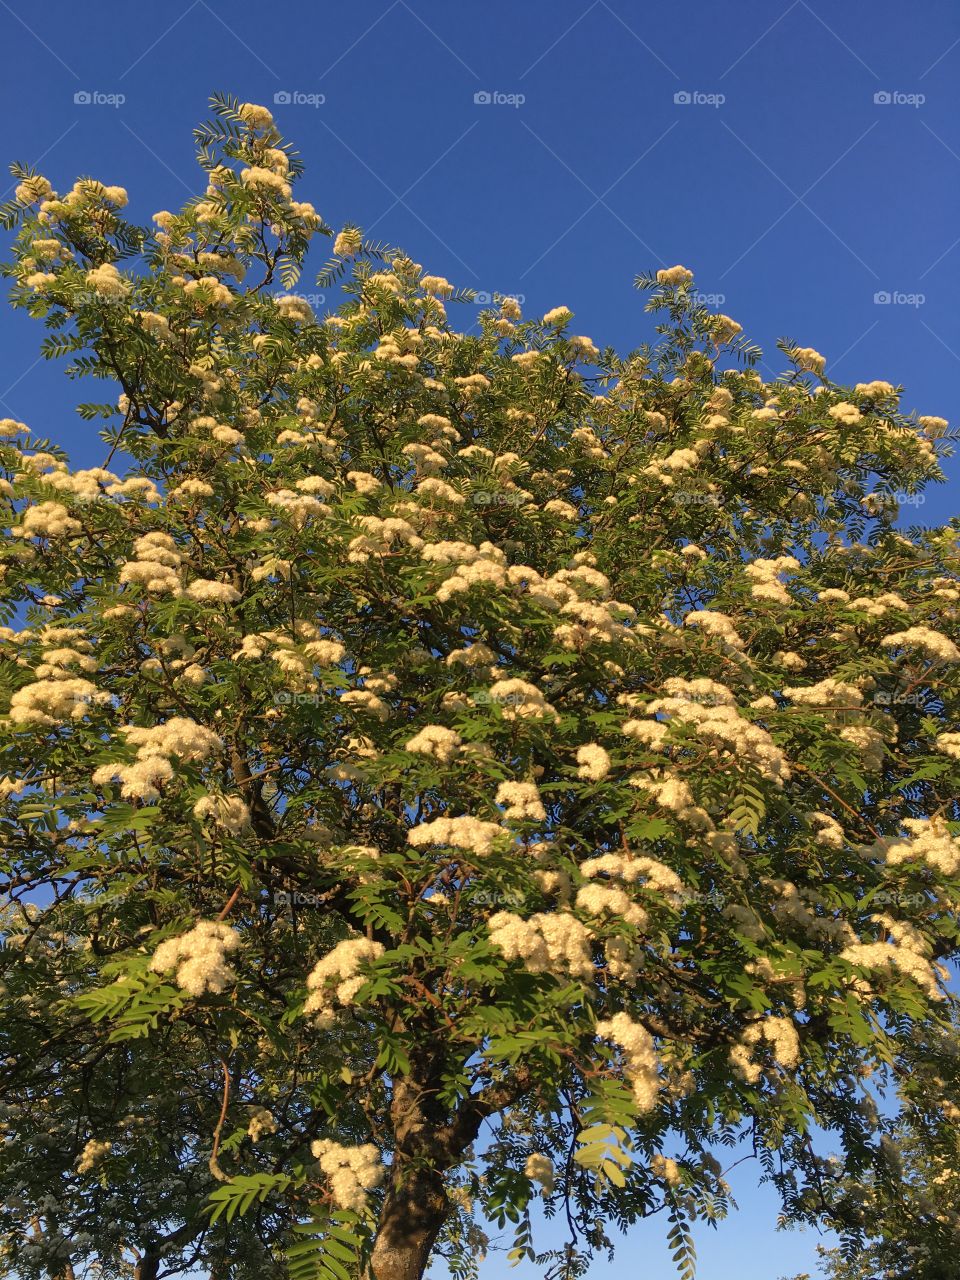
(415,1208)
(147,1267)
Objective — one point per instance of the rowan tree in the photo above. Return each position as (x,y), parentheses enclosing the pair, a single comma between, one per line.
(448,770)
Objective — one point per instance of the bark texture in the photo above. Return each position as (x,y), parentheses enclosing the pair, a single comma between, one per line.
(414,1210)
(429,1141)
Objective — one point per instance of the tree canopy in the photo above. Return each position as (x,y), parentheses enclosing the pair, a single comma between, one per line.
(444,772)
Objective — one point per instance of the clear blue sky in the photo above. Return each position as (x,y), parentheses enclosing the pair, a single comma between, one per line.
(782,182)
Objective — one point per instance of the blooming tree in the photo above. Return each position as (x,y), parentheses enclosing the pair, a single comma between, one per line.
(447,772)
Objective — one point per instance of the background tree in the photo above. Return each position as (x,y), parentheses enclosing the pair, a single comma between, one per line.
(521,771)
(899,1220)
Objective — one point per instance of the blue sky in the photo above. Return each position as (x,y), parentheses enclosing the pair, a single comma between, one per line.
(803,158)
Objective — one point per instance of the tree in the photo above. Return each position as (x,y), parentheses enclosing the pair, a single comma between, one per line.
(899,1220)
(445,770)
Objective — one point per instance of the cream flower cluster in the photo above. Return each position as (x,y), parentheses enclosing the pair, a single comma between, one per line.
(367,701)
(107,281)
(548,942)
(521,800)
(254,116)
(76,653)
(845,413)
(829,832)
(674,275)
(472,656)
(604,899)
(592,622)
(931,644)
(779,1034)
(905,951)
(228,812)
(298,508)
(640,1065)
(719,724)
(520,700)
(453,552)
(666,1169)
(593,762)
(439,489)
(352,1172)
(92,1153)
(33,189)
(199,957)
(664,469)
(259,179)
(765,576)
(427,461)
(209,591)
(800,906)
(91,484)
(932,426)
(539,1168)
(928,841)
(177,737)
(336,978)
(435,740)
(348,242)
(875,390)
(869,743)
(808,360)
(715,624)
(671,792)
(472,834)
(155,324)
(481,571)
(262,1121)
(156,565)
(48,520)
(825,693)
(380,536)
(296,655)
(54,701)
(631,868)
